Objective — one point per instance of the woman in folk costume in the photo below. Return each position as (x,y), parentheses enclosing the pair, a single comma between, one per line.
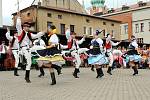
(133,57)
(14,46)
(51,56)
(73,46)
(108,48)
(25,38)
(96,55)
(52,50)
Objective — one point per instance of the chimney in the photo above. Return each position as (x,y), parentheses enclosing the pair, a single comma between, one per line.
(124,7)
(39,3)
(111,10)
(1,18)
(141,3)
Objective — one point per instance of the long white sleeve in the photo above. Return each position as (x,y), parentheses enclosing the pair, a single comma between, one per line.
(35,36)
(80,41)
(18,25)
(63,46)
(8,36)
(114,44)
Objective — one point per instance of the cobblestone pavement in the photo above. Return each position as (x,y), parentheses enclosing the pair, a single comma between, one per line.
(120,86)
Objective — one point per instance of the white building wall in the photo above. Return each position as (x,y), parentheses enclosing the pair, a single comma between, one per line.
(124,35)
(146,30)
(142,16)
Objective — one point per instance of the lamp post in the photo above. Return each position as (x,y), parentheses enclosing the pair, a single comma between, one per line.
(1,18)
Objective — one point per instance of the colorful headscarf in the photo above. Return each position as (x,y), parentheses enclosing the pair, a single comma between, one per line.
(54,31)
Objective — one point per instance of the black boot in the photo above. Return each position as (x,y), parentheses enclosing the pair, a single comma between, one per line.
(101,73)
(109,71)
(27,75)
(135,71)
(58,68)
(53,78)
(16,72)
(75,73)
(98,73)
(92,68)
(41,72)
(78,71)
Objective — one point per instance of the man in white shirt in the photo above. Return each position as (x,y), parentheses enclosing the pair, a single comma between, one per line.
(15,49)
(25,42)
(108,47)
(73,45)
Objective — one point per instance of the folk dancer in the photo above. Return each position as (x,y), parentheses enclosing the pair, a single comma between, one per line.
(14,46)
(73,46)
(108,48)
(97,57)
(133,57)
(51,56)
(25,42)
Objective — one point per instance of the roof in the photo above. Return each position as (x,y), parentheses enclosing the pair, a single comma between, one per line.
(132,8)
(67,11)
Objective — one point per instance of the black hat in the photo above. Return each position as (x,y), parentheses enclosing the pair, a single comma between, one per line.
(133,38)
(98,32)
(107,35)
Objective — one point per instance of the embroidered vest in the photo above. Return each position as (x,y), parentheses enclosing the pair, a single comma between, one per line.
(108,45)
(21,37)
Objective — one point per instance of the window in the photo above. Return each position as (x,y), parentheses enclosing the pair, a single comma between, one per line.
(142,27)
(126,29)
(104,23)
(85,32)
(90,30)
(71,28)
(63,2)
(49,24)
(49,15)
(149,26)
(28,14)
(136,28)
(140,40)
(104,33)
(62,28)
(112,24)
(87,20)
(112,31)
(56,2)
(59,16)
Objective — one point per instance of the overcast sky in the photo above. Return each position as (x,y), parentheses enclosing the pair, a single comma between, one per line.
(10,6)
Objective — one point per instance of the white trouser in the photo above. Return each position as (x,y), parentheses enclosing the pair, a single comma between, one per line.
(124,63)
(27,54)
(82,50)
(77,58)
(16,56)
(110,58)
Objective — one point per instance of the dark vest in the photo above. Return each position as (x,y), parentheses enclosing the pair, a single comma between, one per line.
(96,48)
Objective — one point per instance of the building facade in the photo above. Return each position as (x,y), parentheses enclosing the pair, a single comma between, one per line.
(125,26)
(141,24)
(135,20)
(43,17)
(72,5)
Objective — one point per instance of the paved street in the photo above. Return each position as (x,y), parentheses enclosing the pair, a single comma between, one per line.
(121,86)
